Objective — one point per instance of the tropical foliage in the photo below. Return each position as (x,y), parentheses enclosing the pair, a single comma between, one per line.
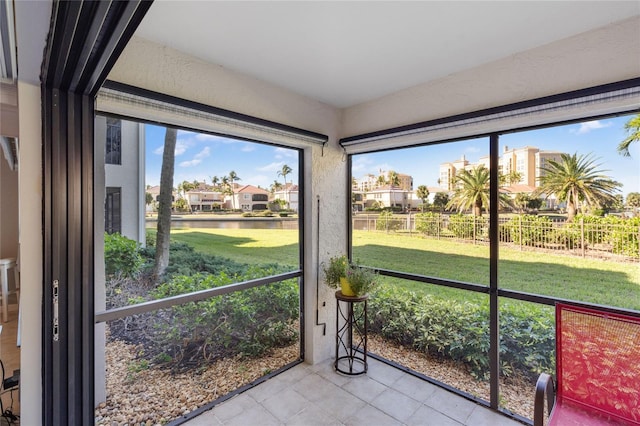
(472,191)
(576,180)
(633,128)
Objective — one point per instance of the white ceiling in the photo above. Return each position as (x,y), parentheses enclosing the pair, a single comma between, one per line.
(345,53)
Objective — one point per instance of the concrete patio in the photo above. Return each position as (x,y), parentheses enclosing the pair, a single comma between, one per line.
(316,395)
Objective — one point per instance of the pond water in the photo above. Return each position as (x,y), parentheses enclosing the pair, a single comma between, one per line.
(249,223)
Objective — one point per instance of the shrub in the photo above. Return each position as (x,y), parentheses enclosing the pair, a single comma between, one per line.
(429,223)
(184,260)
(247,322)
(529,230)
(121,256)
(462,226)
(386,222)
(459,330)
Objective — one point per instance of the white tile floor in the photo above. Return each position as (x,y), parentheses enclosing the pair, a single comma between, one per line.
(317,395)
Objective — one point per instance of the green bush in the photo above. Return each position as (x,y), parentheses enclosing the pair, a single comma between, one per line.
(247,322)
(460,330)
(429,223)
(184,260)
(620,233)
(462,226)
(529,230)
(121,256)
(386,222)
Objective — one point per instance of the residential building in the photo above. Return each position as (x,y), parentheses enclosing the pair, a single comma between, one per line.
(205,201)
(527,161)
(122,171)
(388,196)
(289,193)
(370,181)
(249,198)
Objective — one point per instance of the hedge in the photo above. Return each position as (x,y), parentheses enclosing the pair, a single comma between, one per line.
(459,330)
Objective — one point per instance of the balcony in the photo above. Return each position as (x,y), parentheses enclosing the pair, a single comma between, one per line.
(316,394)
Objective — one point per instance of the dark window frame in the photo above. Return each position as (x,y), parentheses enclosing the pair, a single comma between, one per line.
(493,290)
(113,210)
(113,141)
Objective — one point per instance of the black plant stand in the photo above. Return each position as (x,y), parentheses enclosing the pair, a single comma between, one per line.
(351,335)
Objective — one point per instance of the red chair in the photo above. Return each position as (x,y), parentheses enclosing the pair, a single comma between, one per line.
(598,370)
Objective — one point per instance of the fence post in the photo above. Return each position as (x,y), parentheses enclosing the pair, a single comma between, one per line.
(438,225)
(582,236)
(474,228)
(520,230)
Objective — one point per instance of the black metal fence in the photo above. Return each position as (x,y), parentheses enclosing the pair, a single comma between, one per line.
(586,236)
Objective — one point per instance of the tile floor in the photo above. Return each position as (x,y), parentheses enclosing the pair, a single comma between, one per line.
(316,395)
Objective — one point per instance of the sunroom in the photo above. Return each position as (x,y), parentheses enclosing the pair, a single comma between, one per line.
(364,103)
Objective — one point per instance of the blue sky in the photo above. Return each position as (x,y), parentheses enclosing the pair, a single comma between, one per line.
(200,156)
(600,137)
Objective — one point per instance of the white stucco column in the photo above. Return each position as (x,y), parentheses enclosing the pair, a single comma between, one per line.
(327,184)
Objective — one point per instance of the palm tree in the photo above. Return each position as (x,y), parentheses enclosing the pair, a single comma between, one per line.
(275,186)
(423,193)
(472,190)
(574,179)
(284,171)
(233,176)
(214,181)
(164,202)
(633,128)
(394,179)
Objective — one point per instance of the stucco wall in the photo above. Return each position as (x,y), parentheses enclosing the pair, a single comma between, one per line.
(128,176)
(601,56)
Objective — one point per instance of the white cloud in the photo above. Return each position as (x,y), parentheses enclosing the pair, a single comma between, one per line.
(197,159)
(281,153)
(589,126)
(248,148)
(181,148)
(272,167)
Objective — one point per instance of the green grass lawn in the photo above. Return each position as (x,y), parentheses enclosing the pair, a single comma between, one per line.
(244,245)
(575,278)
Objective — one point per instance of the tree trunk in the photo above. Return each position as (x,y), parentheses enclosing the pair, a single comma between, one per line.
(477,208)
(164,203)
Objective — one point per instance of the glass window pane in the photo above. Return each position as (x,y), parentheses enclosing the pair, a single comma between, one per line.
(573,229)
(440,332)
(167,363)
(527,348)
(424,210)
(234,206)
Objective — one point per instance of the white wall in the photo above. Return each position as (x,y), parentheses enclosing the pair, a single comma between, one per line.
(31,273)
(129,176)
(601,56)
(154,67)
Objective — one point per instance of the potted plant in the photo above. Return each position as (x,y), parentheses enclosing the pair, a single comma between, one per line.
(353,280)
(335,273)
(361,280)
